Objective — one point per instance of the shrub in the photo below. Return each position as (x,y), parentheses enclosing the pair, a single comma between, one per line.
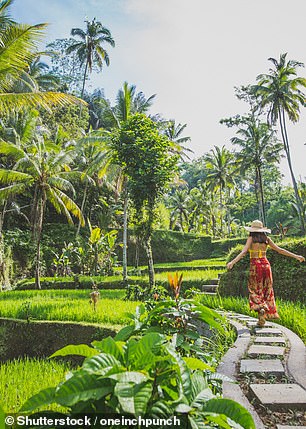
(288,274)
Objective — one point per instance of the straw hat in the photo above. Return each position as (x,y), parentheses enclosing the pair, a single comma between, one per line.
(257,226)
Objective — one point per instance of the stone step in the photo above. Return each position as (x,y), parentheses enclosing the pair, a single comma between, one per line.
(256,350)
(290,427)
(269,340)
(271,366)
(253,323)
(268,331)
(209,288)
(280,397)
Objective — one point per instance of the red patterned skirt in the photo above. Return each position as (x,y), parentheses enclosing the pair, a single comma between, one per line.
(260,285)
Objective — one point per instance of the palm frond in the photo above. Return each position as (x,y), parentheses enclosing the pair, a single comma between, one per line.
(46,100)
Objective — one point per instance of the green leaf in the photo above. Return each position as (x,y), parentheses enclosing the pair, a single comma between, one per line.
(129,376)
(184,372)
(109,345)
(80,350)
(183,408)
(82,387)
(133,397)
(43,398)
(125,333)
(100,361)
(194,363)
(231,409)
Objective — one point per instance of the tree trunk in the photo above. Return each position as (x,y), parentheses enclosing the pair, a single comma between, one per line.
(136,262)
(37,231)
(125,231)
(221,216)
(83,86)
(148,249)
(261,196)
(295,187)
(82,209)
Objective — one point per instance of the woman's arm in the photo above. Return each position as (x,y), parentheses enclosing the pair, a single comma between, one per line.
(284,251)
(243,252)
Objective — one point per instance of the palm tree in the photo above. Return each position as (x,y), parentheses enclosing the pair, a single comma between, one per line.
(128,102)
(178,203)
(18,43)
(281,92)
(221,170)
(257,147)
(90,50)
(42,168)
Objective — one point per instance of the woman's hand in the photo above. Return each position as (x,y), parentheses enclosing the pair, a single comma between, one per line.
(300,258)
(230,265)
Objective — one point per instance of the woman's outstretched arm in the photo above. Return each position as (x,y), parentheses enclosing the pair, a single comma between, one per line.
(284,251)
(243,252)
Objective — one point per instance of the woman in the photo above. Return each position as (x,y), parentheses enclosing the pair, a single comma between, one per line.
(260,283)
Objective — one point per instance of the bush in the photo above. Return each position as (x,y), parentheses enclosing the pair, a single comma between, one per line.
(288,274)
(173,246)
(77,282)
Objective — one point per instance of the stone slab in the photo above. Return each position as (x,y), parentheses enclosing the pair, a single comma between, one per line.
(280,396)
(252,323)
(266,350)
(290,427)
(268,331)
(272,366)
(270,340)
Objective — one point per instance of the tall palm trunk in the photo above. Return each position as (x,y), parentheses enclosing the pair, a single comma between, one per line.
(148,248)
(125,231)
(221,215)
(299,202)
(41,202)
(83,86)
(82,208)
(260,195)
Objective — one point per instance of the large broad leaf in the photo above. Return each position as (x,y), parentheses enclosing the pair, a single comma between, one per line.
(197,421)
(41,399)
(83,387)
(209,316)
(144,352)
(125,333)
(231,409)
(134,398)
(160,409)
(183,371)
(80,350)
(101,361)
(194,363)
(129,376)
(110,346)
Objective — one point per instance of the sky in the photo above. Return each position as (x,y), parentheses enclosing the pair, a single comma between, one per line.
(191,53)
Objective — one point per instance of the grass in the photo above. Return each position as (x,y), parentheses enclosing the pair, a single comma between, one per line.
(197,275)
(67,305)
(292,314)
(196,263)
(22,378)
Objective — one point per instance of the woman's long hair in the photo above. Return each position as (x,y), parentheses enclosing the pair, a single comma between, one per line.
(259,237)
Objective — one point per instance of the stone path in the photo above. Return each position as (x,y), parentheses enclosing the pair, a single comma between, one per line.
(275,358)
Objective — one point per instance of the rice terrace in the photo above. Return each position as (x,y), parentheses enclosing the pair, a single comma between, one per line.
(152,269)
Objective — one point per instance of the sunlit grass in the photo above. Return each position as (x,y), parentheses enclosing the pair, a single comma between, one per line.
(292,314)
(196,263)
(22,378)
(67,305)
(190,275)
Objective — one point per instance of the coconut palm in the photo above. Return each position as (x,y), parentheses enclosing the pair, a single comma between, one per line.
(18,43)
(281,91)
(90,48)
(221,173)
(178,204)
(257,147)
(128,102)
(40,169)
